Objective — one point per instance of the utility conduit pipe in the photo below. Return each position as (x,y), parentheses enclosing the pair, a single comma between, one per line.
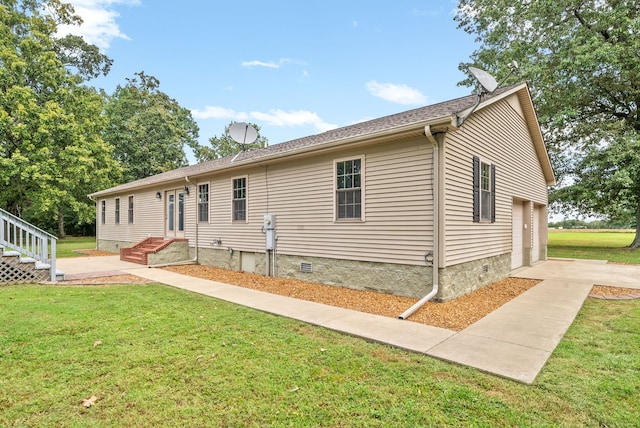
(433,139)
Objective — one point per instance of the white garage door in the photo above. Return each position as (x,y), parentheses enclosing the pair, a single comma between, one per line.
(535,250)
(516,235)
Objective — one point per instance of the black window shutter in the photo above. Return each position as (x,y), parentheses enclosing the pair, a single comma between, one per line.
(493,193)
(476,189)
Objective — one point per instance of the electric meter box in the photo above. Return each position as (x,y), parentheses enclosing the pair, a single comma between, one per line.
(269,222)
(271,239)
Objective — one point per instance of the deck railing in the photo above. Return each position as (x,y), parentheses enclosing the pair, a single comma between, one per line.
(28,240)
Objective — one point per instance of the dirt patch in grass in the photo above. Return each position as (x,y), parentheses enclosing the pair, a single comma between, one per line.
(454,315)
(95,253)
(614,293)
(111,279)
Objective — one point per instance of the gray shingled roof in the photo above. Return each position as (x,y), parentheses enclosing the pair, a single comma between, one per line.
(415,116)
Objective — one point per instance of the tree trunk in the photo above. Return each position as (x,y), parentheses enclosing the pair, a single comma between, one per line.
(636,242)
(61,233)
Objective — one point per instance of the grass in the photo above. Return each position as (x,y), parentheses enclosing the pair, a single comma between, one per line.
(167,357)
(68,247)
(172,358)
(598,245)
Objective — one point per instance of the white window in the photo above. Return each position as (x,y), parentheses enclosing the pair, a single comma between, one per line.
(348,185)
(203,202)
(117,212)
(130,209)
(239,207)
(103,212)
(484,191)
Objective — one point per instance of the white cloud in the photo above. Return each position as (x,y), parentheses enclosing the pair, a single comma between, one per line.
(273,117)
(273,64)
(293,118)
(214,112)
(401,94)
(99,25)
(256,63)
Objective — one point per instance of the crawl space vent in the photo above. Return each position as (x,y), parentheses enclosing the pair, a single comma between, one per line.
(306,267)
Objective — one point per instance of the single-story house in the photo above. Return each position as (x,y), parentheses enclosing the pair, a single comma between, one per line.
(447,197)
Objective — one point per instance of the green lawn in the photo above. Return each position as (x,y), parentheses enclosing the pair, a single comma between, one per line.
(67,247)
(602,245)
(167,357)
(158,356)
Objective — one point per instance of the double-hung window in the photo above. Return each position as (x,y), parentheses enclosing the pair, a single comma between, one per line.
(484,191)
(103,211)
(349,181)
(117,212)
(203,202)
(130,210)
(239,206)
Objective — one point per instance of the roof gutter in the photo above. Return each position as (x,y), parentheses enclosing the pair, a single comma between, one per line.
(398,131)
(436,141)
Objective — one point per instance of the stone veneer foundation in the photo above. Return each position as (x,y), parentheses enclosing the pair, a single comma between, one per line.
(112,246)
(390,278)
(461,279)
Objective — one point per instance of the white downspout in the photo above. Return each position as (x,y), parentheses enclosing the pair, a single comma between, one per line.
(436,225)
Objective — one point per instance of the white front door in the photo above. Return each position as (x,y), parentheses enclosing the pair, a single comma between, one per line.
(174,214)
(517,225)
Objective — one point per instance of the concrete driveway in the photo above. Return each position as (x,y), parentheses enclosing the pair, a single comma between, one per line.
(595,272)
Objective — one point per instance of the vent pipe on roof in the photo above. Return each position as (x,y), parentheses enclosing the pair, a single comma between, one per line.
(436,140)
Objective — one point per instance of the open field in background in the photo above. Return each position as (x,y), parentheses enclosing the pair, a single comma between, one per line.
(153,356)
(593,244)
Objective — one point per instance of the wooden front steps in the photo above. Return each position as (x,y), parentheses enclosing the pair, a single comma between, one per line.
(139,252)
(17,269)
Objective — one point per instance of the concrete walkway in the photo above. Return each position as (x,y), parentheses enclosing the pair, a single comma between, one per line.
(514,341)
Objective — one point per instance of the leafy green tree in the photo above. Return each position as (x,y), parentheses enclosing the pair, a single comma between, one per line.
(51,151)
(85,58)
(608,173)
(226,146)
(148,129)
(581,60)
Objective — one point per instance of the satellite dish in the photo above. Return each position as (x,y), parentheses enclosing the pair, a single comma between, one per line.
(489,84)
(487,81)
(243,133)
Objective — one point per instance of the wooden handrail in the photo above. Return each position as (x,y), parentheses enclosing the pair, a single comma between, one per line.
(28,239)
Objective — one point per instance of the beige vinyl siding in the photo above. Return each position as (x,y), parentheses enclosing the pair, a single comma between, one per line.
(396,199)
(498,135)
(148,217)
(238,235)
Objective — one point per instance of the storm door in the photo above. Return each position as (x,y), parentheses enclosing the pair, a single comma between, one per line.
(174,214)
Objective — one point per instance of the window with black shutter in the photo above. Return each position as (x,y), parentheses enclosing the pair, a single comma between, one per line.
(484,191)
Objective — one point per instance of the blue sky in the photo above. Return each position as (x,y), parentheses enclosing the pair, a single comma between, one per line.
(295,68)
